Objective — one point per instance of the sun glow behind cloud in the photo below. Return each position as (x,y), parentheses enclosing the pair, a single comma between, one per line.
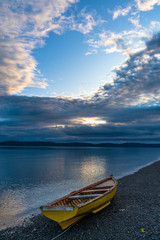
(92,121)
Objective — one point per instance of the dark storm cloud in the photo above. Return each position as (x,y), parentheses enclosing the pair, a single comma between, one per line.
(26,118)
(130,108)
(154,42)
(33,112)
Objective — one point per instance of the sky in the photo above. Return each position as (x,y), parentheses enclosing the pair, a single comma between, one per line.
(80,70)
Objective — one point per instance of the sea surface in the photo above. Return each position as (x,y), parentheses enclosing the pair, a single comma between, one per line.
(34,176)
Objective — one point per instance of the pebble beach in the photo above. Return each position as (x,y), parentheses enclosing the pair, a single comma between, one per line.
(133,214)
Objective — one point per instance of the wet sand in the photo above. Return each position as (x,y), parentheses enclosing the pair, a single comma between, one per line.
(133,214)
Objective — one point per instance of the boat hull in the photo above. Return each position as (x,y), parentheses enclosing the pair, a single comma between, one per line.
(65,218)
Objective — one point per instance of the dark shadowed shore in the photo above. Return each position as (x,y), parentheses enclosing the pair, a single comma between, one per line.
(133,214)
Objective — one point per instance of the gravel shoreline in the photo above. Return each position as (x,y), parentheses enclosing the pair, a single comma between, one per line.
(133,214)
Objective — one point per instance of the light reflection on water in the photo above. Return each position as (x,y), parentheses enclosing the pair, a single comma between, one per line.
(92,167)
(31,177)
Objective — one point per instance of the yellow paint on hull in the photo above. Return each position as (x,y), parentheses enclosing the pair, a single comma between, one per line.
(67,218)
(69,222)
(99,209)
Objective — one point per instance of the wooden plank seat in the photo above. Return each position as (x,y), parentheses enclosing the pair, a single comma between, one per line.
(95,190)
(85,196)
(106,184)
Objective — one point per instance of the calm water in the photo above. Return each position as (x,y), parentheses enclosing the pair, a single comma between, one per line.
(31,177)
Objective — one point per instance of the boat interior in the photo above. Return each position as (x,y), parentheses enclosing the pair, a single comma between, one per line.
(85,195)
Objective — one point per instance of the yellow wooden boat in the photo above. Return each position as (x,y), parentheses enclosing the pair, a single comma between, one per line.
(78,204)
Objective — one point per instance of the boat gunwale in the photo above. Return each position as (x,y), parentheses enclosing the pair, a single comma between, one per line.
(85,188)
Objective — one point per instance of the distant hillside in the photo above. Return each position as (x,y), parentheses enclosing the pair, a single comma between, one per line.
(79,144)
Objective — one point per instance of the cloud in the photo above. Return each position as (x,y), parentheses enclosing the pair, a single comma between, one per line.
(85,22)
(121,12)
(141,5)
(127,110)
(147,5)
(18,67)
(133,40)
(24,26)
(126,42)
(135,21)
(137,81)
